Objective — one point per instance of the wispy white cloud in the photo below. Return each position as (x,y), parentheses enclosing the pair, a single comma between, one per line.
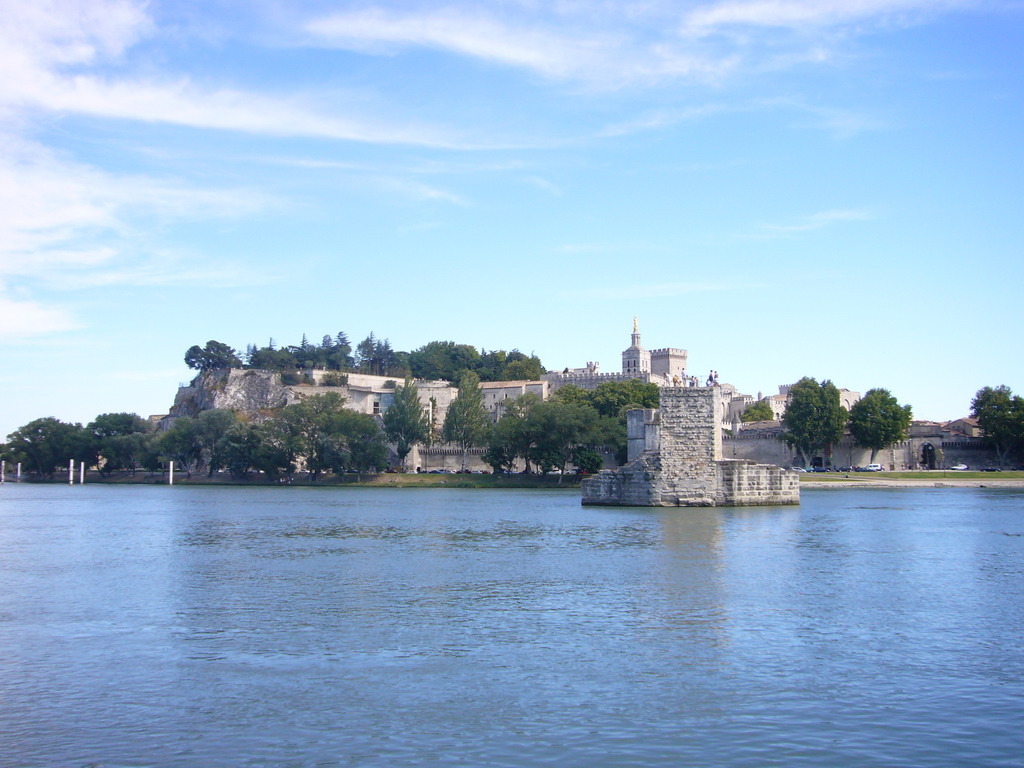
(543,184)
(60,33)
(610,46)
(26,319)
(54,53)
(810,14)
(664,118)
(471,33)
(68,226)
(841,123)
(815,221)
(57,214)
(416,190)
(183,103)
(567,46)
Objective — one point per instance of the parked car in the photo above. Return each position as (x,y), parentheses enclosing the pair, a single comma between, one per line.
(873,468)
(797,469)
(959,468)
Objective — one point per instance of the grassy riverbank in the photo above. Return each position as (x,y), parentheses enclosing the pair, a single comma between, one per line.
(935,478)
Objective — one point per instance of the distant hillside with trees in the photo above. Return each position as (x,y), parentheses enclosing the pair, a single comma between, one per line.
(445,360)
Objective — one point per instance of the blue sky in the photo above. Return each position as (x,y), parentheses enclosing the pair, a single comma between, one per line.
(829,188)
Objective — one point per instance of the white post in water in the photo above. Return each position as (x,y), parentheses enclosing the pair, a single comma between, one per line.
(19,471)
(170,473)
(3,471)
(71,471)
(81,473)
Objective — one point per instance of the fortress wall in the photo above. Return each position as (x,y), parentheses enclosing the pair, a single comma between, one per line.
(584,380)
(764,447)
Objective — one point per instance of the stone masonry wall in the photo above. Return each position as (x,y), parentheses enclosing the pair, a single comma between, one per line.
(744,483)
(691,443)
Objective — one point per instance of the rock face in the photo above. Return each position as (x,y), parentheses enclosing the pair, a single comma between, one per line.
(676,461)
(246,391)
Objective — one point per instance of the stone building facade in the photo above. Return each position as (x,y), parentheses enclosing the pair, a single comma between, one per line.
(676,460)
(497,394)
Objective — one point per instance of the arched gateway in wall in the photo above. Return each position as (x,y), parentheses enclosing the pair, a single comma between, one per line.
(928,456)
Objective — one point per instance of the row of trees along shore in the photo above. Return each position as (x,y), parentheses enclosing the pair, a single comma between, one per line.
(434,360)
(571,428)
(814,419)
(319,434)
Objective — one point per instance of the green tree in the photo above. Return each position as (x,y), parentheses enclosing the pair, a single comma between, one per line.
(521,367)
(492,364)
(210,428)
(405,421)
(557,431)
(47,444)
(238,448)
(366,351)
(611,398)
(149,451)
(878,420)
(120,440)
(512,437)
(337,352)
(181,444)
(275,452)
(467,424)
(587,460)
(759,411)
(313,422)
(365,448)
(814,417)
(570,393)
(270,359)
(443,360)
(1000,414)
(212,356)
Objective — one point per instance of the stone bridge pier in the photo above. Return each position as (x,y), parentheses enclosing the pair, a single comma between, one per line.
(675,460)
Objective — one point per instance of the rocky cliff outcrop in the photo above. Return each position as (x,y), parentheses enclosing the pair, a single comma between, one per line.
(245,391)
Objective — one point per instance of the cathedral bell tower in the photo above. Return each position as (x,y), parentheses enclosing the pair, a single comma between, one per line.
(636,361)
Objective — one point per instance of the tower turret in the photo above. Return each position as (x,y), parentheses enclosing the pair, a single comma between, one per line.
(636,360)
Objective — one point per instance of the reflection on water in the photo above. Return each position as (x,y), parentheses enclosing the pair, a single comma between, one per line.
(190,626)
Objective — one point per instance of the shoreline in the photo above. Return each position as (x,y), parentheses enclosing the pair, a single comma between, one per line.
(883,482)
(386,480)
(509,482)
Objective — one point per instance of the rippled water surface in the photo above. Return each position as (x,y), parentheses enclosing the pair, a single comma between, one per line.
(368,627)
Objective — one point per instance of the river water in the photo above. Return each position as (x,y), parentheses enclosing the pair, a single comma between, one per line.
(155,626)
